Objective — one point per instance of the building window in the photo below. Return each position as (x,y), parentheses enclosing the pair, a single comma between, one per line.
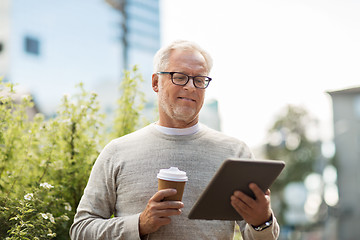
(357,107)
(32,45)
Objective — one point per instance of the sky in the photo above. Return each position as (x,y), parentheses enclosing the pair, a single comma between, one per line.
(268,54)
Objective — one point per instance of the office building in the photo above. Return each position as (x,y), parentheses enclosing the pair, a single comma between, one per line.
(346,107)
(48,47)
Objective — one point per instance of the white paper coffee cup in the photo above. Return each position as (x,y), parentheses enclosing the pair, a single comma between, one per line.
(172,178)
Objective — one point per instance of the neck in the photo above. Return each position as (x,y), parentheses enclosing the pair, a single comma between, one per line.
(178,124)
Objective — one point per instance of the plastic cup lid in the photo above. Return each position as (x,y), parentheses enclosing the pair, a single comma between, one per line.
(172,174)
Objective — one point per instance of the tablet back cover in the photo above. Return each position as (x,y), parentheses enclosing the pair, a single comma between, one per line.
(234,174)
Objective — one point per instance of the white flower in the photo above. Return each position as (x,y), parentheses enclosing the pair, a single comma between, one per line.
(46,185)
(51,217)
(29,196)
(65,217)
(67,206)
(48,216)
(51,234)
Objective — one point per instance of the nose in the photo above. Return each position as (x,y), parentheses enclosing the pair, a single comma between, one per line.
(190,83)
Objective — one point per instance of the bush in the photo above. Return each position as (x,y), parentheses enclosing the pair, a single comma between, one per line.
(45,163)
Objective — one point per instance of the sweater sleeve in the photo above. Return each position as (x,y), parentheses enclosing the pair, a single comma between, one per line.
(93,217)
(249,233)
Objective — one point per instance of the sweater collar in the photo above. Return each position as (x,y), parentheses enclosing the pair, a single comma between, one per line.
(178,131)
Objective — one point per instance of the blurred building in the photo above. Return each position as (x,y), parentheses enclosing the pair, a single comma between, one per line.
(4,36)
(209,114)
(50,46)
(346,107)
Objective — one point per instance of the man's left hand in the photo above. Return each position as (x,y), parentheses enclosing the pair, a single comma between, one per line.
(254,211)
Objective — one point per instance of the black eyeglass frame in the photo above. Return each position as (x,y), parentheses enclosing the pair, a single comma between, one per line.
(207,79)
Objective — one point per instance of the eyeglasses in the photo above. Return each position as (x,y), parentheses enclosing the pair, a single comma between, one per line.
(182,79)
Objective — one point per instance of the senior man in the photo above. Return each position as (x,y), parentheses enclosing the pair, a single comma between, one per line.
(121,200)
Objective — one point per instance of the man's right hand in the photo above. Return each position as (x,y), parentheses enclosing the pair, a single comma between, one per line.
(157,212)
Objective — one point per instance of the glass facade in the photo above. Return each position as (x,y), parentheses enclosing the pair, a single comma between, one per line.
(143,37)
(54,45)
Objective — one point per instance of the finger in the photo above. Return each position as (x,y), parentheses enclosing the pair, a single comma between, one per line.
(161,194)
(150,224)
(163,221)
(259,194)
(169,205)
(168,212)
(239,206)
(268,192)
(244,198)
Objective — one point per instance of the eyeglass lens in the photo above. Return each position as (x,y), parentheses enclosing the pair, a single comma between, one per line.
(182,79)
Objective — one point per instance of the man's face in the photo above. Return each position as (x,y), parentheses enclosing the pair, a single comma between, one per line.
(179,106)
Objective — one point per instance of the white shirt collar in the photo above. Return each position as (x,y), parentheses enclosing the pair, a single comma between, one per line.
(178,131)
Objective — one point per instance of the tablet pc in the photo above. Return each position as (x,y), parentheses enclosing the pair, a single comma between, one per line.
(233,174)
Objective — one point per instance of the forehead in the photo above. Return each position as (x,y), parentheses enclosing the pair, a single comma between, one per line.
(187,61)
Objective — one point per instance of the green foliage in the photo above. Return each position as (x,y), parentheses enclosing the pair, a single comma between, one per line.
(37,215)
(131,103)
(45,163)
(15,130)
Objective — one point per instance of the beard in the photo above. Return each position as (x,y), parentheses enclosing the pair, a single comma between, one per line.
(178,112)
(186,114)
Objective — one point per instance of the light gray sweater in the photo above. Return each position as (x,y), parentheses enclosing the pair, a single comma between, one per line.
(123,179)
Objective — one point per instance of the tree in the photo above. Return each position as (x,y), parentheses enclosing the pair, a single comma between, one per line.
(291,139)
(130,104)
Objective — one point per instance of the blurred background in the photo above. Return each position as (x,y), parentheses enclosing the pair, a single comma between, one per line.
(285,81)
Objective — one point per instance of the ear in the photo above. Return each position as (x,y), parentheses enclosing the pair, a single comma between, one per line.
(155,82)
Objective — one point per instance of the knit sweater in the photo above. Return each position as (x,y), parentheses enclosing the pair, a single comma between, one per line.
(123,179)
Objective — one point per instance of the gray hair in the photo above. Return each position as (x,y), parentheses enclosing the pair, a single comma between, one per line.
(161,58)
